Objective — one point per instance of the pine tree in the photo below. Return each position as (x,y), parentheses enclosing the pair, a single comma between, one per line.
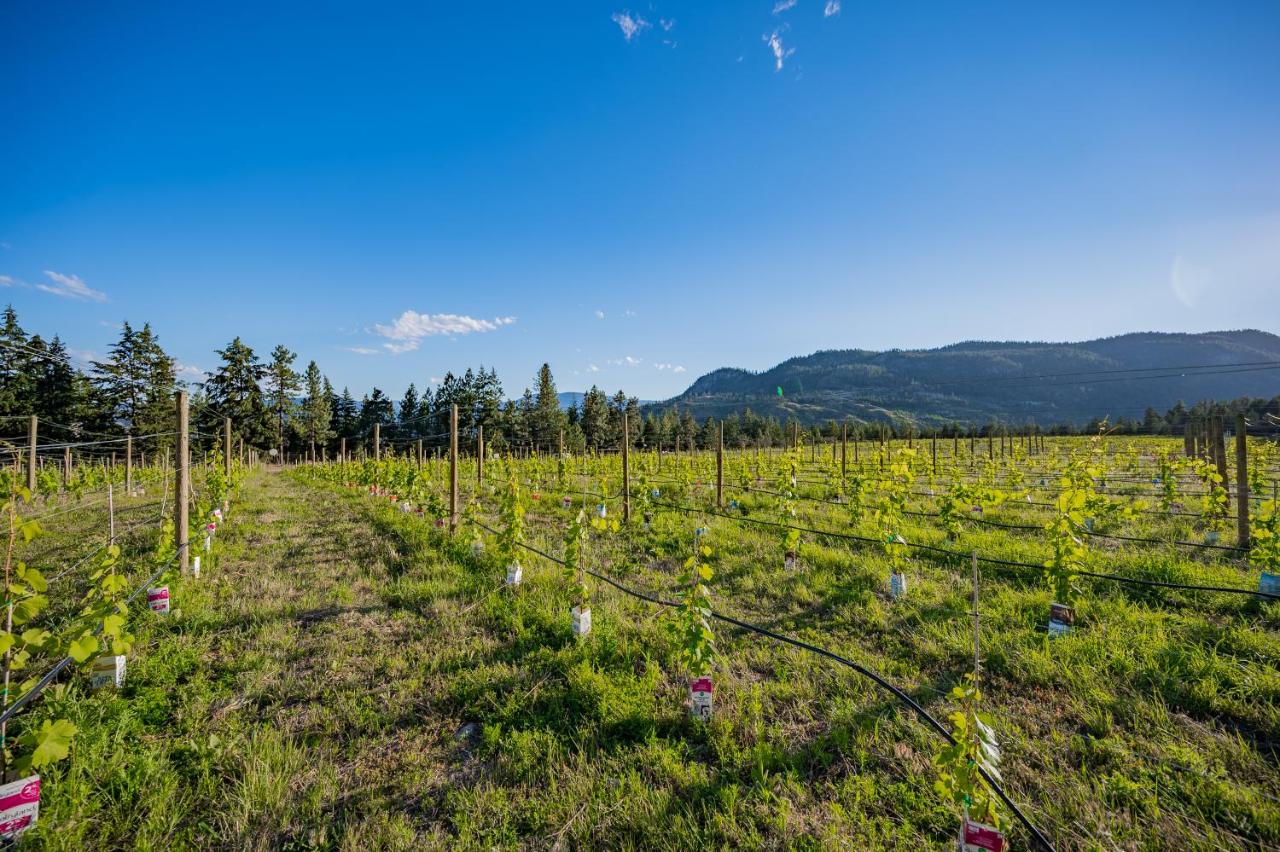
(548,419)
(375,408)
(595,418)
(283,381)
(135,385)
(345,414)
(410,426)
(315,408)
(16,388)
(234,392)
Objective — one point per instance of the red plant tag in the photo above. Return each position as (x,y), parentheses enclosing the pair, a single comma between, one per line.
(982,838)
(19,806)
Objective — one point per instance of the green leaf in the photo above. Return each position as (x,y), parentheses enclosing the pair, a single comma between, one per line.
(53,742)
(83,648)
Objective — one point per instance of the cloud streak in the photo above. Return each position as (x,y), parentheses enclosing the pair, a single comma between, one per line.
(70,287)
(407,331)
(780,51)
(631,25)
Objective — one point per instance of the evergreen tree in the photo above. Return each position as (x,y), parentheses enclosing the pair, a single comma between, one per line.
(376,408)
(410,426)
(548,419)
(17,391)
(234,391)
(345,416)
(594,419)
(282,381)
(134,386)
(315,408)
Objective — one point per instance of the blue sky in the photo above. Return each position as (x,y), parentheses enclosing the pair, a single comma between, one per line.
(636,194)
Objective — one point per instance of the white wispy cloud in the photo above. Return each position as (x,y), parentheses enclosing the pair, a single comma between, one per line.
(71,287)
(625,361)
(408,329)
(361,350)
(780,52)
(832,8)
(592,368)
(666,24)
(6,281)
(783,5)
(188,370)
(599,314)
(86,356)
(631,25)
(675,368)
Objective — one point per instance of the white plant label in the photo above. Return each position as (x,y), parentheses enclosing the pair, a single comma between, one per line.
(107,671)
(602,510)
(195,567)
(897,584)
(700,690)
(1061,619)
(979,837)
(158,600)
(514,574)
(19,806)
(581,620)
(208,543)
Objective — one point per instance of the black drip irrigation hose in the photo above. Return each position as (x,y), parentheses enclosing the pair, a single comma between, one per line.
(958,554)
(1042,841)
(1010,526)
(62,664)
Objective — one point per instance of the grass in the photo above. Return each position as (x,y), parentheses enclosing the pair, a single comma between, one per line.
(344,677)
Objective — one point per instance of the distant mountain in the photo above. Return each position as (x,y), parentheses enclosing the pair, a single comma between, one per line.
(978,381)
(568,399)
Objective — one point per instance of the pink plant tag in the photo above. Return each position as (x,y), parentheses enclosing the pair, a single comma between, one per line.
(981,838)
(700,690)
(158,600)
(19,806)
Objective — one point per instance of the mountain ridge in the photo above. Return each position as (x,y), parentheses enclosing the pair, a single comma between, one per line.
(1014,381)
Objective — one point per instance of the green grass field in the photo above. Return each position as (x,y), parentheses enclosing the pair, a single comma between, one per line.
(346,676)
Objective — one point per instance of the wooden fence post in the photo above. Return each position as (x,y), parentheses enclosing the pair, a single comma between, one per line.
(128,463)
(32,430)
(377,441)
(626,470)
(182,489)
(844,450)
(1242,483)
(453,468)
(226,461)
(720,466)
(480,455)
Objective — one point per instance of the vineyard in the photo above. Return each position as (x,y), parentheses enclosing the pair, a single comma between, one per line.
(1065,641)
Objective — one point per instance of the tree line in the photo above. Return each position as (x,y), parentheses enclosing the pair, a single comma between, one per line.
(272,405)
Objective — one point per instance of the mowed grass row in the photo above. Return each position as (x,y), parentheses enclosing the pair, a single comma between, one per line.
(1151,726)
(345,678)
